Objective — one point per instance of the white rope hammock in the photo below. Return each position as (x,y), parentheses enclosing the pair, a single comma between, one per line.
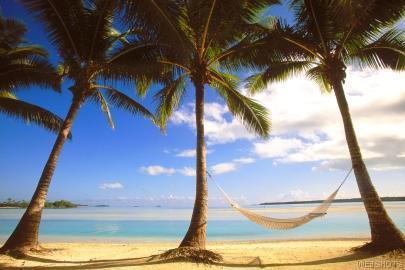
(284,223)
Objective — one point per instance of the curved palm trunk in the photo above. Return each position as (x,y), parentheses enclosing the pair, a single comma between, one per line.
(196,234)
(384,233)
(25,235)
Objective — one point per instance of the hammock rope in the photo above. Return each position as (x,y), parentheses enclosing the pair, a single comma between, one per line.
(283,223)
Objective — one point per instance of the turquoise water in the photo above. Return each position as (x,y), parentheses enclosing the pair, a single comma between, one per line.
(156,224)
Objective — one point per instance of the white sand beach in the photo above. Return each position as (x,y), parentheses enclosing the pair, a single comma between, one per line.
(308,254)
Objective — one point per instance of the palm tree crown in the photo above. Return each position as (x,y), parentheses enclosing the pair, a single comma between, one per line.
(193,37)
(83,34)
(326,36)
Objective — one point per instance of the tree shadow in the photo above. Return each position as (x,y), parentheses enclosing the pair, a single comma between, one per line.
(258,263)
(152,260)
(141,261)
(46,260)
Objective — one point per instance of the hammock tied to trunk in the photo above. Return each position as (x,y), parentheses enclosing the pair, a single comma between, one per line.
(284,223)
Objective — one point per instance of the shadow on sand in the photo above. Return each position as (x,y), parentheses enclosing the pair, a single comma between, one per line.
(154,260)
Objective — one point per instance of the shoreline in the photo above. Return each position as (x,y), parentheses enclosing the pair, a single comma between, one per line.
(64,240)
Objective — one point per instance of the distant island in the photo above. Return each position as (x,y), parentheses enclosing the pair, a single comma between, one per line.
(101,205)
(62,204)
(385,199)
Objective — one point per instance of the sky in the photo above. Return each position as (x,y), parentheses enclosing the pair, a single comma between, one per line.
(305,158)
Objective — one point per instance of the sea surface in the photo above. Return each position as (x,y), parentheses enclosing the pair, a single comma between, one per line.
(344,220)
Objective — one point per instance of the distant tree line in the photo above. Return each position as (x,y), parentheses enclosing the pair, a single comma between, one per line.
(24,204)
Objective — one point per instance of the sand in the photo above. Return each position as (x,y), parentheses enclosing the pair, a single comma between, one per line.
(304,254)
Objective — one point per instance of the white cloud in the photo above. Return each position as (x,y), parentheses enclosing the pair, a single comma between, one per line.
(277,147)
(244,160)
(226,167)
(307,125)
(186,153)
(114,185)
(223,168)
(187,171)
(218,129)
(157,170)
(189,153)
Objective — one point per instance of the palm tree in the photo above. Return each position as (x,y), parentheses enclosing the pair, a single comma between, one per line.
(23,65)
(196,35)
(82,33)
(326,36)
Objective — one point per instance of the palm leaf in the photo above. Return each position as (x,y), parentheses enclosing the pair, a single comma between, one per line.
(11,33)
(100,19)
(99,99)
(7,94)
(316,19)
(253,115)
(319,75)
(30,113)
(142,85)
(388,51)
(360,20)
(122,101)
(169,98)
(20,52)
(276,72)
(62,22)
(25,72)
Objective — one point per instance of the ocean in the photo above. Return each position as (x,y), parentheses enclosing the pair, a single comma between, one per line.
(344,220)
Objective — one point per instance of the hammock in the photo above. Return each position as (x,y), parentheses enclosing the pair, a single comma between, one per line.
(284,223)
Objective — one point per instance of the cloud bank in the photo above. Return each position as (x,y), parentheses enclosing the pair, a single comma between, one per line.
(307,125)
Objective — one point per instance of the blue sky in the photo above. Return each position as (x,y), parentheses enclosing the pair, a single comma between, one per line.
(305,158)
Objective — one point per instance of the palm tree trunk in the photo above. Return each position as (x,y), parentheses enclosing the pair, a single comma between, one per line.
(25,235)
(384,234)
(196,234)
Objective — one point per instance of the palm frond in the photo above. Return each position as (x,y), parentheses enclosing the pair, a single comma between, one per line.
(360,20)
(275,41)
(11,33)
(316,19)
(21,52)
(122,101)
(30,113)
(98,98)
(256,83)
(276,72)
(100,24)
(137,63)
(388,51)
(169,98)
(7,94)
(142,85)
(157,18)
(253,115)
(63,24)
(319,75)
(28,71)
